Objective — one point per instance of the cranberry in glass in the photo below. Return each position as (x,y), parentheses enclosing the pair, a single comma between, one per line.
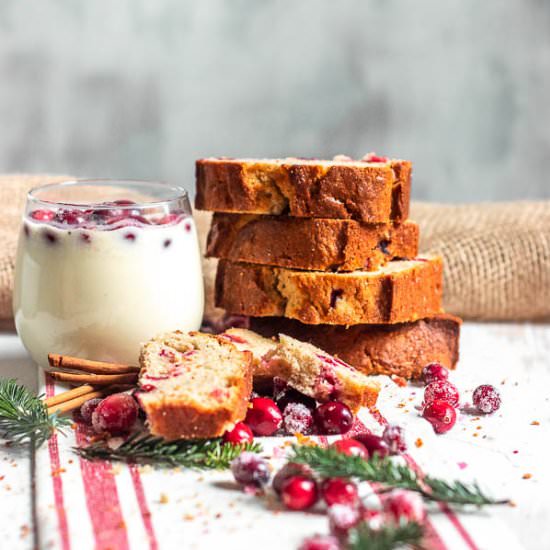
(115,414)
(239,435)
(297,418)
(374,444)
(320,542)
(299,493)
(486,399)
(337,490)
(441,390)
(250,469)
(350,447)
(394,438)
(342,518)
(87,409)
(43,215)
(70,217)
(333,418)
(433,372)
(263,416)
(441,415)
(290,469)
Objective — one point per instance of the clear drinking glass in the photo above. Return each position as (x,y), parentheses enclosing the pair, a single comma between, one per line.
(103,266)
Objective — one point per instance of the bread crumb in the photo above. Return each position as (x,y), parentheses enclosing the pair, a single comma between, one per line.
(527,476)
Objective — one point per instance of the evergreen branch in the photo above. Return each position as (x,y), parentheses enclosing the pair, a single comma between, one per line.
(209,454)
(363,537)
(24,417)
(331,463)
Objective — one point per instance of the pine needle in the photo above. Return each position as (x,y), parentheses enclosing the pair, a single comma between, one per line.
(331,463)
(363,537)
(210,454)
(24,417)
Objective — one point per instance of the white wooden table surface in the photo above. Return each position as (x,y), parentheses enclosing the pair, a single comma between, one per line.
(509,454)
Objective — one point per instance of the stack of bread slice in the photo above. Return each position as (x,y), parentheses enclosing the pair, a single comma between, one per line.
(323,251)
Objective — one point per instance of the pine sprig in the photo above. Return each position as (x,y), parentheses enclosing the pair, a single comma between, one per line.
(209,454)
(24,417)
(363,537)
(331,463)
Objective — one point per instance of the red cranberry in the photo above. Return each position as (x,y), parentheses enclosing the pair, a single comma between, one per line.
(441,390)
(405,505)
(486,399)
(123,202)
(250,469)
(320,542)
(116,414)
(441,415)
(263,416)
(342,518)
(168,219)
(239,435)
(333,418)
(87,409)
(130,236)
(339,491)
(43,215)
(394,438)
(297,418)
(70,217)
(374,444)
(299,493)
(351,447)
(433,372)
(373,157)
(290,469)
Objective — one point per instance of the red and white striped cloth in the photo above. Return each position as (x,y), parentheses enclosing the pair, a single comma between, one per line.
(98,505)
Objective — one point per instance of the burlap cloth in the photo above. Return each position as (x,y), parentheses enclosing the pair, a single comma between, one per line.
(497,255)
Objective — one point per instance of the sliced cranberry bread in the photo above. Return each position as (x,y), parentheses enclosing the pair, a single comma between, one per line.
(307,369)
(193,385)
(374,192)
(402,349)
(315,244)
(401,291)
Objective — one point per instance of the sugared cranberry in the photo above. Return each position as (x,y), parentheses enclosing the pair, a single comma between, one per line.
(250,469)
(87,409)
(394,438)
(43,215)
(263,416)
(441,415)
(240,434)
(333,418)
(372,517)
(351,447)
(433,372)
(320,542)
(404,505)
(374,444)
(299,493)
(486,399)
(441,390)
(115,414)
(290,469)
(337,490)
(342,518)
(297,418)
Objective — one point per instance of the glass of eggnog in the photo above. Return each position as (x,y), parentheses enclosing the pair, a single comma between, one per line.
(103,266)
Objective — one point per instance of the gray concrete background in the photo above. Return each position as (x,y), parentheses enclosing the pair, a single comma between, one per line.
(140,88)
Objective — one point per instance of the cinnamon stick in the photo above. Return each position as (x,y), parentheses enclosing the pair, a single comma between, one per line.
(71,404)
(95,379)
(68,395)
(86,365)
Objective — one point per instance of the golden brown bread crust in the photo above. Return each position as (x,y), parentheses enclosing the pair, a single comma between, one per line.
(402,349)
(399,292)
(316,244)
(175,416)
(365,191)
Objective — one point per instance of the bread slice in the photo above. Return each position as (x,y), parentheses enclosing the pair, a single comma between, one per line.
(306,368)
(315,244)
(400,291)
(193,385)
(373,192)
(401,349)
